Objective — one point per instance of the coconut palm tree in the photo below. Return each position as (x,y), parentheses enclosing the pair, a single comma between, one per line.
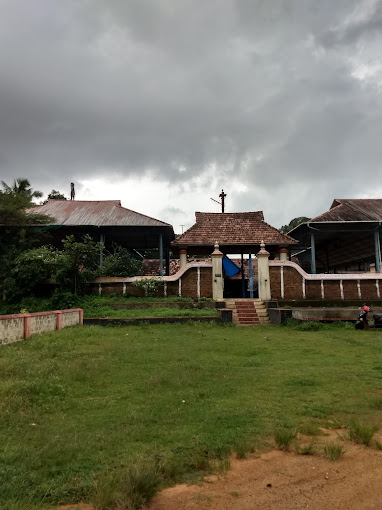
(21,186)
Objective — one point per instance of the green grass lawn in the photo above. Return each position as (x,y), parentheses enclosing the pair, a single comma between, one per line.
(82,402)
(109,312)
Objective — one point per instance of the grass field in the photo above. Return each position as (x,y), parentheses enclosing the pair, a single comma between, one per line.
(109,312)
(79,404)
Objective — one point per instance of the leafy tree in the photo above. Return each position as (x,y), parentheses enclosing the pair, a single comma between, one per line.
(121,263)
(28,269)
(72,268)
(17,226)
(55,195)
(21,186)
(293,224)
(79,263)
(14,202)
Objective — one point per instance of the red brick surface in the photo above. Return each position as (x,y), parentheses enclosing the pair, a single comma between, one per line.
(189,285)
(313,289)
(293,287)
(275,279)
(332,289)
(292,284)
(369,290)
(350,289)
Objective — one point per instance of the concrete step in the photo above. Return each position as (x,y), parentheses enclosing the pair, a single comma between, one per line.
(248,312)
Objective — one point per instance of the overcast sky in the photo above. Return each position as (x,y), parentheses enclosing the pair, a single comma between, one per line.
(162,103)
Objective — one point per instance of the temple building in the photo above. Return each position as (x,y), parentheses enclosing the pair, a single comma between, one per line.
(237,234)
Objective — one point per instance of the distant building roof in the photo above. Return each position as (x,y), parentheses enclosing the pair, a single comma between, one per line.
(352,209)
(232,229)
(105,213)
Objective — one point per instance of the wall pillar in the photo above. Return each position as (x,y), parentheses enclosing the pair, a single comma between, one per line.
(242,276)
(101,240)
(161,254)
(312,253)
(377,245)
(263,270)
(283,253)
(182,258)
(250,273)
(27,325)
(217,273)
(59,319)
(167,261)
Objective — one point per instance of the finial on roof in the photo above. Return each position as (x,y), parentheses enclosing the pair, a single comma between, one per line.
(222,196)
(72,191)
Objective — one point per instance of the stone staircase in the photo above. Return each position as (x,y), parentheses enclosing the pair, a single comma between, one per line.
(248,312)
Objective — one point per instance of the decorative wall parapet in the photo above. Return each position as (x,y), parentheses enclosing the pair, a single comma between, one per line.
(325,276)
(172,278)
(290,281)
(193,280)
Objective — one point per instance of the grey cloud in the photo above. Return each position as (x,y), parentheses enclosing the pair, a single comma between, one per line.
(365,22)
(263,90)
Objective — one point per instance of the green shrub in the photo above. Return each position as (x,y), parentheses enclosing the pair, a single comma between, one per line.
(361,433)
(242,448)
(120,263)
(333,451)
(290,323)
(150,286)
(78,264)
(306,450)
(310,326)
(28,270)
(310,429)
(283,438)
(129,488)
(64,301)
(21,505)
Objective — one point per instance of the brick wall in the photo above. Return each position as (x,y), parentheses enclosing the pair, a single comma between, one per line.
(194,281)
(290,281)
(21,326)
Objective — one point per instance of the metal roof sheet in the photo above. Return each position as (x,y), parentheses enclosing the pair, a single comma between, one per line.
(105,213)
(352,209)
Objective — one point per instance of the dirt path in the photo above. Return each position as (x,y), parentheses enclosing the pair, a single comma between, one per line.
(279,480)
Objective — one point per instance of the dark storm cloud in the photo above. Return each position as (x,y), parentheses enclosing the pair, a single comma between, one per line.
(264,90)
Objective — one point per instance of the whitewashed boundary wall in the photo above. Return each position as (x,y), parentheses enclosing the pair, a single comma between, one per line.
(14,328)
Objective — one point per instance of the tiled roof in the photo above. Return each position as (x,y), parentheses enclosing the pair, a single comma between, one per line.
(151,267)
(352,209)
(105,213)
(246,228)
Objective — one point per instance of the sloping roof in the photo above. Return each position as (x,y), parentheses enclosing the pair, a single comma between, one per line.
(352,209)
(105,213)
(246,228)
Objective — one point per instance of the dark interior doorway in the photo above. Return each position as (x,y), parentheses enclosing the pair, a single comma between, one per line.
(233,288)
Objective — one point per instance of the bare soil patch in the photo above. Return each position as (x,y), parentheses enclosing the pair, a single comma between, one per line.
(288,480)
